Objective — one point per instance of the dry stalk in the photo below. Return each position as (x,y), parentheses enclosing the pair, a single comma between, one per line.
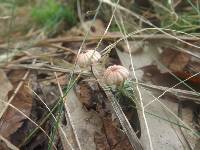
(8,143)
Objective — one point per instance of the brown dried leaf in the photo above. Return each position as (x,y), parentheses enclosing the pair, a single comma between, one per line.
(176,61)
(194,67)
(181,65)
(111,137)
(3,146)
(116,138)
(101,141)
(179,62)
(12,119)
(153,74)
(5,87)
(85,93)
(62,79)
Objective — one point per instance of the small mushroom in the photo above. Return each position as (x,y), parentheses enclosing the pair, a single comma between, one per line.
(115,75)
(87,58)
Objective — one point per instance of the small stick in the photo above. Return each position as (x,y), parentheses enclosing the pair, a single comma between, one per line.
(61,47)
(178,92)
(116,37)
(8,143)
(46,68)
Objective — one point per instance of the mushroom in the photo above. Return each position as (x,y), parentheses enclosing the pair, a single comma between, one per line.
(87,58)
(115,75)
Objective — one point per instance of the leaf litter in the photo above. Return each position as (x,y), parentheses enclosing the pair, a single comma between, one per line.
(92,117)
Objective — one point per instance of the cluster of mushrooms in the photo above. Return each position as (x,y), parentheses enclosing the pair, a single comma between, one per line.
(113,75)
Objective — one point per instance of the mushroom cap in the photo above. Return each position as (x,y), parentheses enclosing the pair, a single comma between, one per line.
(89,57)
(115,75)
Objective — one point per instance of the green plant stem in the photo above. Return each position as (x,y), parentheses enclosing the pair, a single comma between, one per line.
(56,125)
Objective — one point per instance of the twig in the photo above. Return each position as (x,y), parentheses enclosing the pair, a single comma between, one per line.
(8,143)
(59,47)
(5,17)
(117,37)
(178,92)
(46,68)
(180,49)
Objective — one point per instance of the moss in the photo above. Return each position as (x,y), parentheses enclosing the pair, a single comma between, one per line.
(114,28)
(187,18)
(50,13)
(187,22)
(16,2)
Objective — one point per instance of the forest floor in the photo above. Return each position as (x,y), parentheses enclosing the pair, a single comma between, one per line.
(49,101)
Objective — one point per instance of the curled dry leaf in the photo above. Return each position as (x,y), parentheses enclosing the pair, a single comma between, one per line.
(181,64)
(5,87)
(85,94)
(175,61)
(115,75)
(116,138)
(101,141)
(89,57)
(89,93)
(12,119)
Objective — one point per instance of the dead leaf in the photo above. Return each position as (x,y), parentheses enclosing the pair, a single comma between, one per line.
(12,119)
(15,76)
(110,137)
(5,87)
(153,74)
(116,138)
(194,66)
(3,146)
(197,145)
(181,65)
(134,46)
(101,142)
(176,61)
(85,91)
(86,123)
(62,79)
